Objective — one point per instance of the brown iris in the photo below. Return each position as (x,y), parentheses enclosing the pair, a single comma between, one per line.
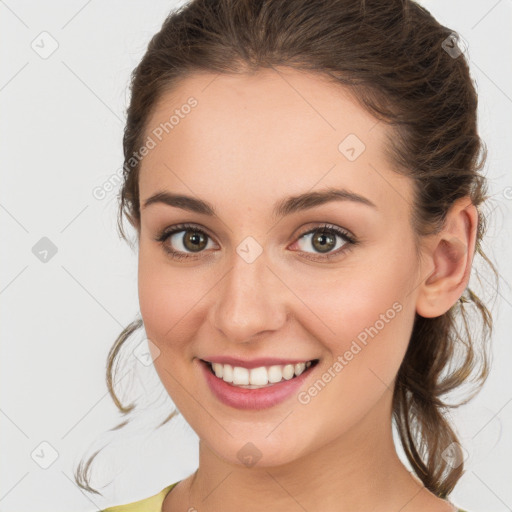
(194,240)
(325,239)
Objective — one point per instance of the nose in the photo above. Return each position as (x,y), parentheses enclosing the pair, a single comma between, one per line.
(249,301)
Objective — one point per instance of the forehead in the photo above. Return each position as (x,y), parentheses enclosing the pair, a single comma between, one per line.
(252,139)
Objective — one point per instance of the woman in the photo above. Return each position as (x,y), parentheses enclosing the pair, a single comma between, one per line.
(303,178)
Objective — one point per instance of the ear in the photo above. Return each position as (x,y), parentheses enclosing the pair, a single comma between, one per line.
(450,254)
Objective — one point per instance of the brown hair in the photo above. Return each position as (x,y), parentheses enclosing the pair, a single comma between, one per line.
(391,56)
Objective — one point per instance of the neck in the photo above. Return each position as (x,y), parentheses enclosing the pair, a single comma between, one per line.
(358,471)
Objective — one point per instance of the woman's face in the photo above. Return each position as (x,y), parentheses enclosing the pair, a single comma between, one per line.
(261,282)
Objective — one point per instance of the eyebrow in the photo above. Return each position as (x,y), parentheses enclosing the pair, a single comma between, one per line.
(282,208)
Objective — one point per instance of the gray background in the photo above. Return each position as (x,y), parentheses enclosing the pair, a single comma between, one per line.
(61,126)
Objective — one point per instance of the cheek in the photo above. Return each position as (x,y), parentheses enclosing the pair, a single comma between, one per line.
(369,306)
(366,322)
(165,296)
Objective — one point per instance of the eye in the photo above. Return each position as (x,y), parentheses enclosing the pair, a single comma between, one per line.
(323,239)
(183,240)
(194,240)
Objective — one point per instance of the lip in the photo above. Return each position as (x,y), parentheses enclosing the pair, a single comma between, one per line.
(253,399)
(253,363)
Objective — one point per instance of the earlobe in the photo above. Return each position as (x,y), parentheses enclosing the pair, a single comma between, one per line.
(450,255)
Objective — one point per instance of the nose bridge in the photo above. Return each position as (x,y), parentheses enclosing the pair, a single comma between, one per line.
(248,302)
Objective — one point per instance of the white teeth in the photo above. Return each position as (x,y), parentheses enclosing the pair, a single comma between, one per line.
(258,377)
(288,371)
(218,369)
(299,368)
(227,373)
(275,374)
(240,376)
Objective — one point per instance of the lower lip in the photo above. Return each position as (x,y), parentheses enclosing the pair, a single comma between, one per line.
(262,398)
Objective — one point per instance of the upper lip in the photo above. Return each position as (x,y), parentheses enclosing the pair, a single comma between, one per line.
(253,363)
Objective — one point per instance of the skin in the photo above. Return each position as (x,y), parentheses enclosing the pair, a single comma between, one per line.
(251,141)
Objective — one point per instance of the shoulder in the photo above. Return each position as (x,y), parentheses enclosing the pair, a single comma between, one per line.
(151,504)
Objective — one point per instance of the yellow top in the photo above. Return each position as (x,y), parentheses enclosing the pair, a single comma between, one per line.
(151,504)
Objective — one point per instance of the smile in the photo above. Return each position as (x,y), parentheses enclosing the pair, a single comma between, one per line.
(263,376)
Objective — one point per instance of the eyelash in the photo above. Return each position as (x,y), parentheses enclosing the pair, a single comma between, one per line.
(165,234)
